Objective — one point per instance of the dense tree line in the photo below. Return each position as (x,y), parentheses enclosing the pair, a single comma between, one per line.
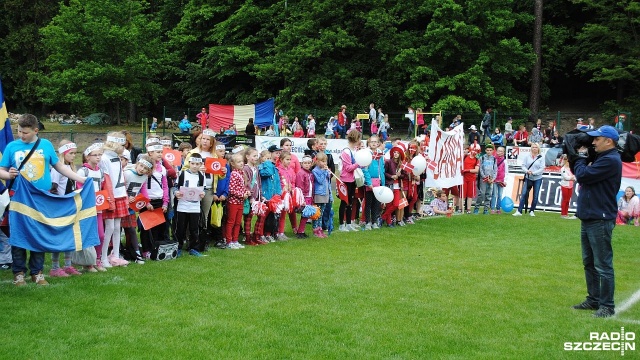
(133,56)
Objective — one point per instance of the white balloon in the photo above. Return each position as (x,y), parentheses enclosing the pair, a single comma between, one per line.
(419,165)
(363,157)
(383,194)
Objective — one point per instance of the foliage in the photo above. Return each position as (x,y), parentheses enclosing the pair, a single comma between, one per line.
(101,53)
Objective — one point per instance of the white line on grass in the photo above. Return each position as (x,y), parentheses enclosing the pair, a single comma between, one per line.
(627,304)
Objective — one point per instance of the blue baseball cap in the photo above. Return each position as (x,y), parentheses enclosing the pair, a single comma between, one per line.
(607,131)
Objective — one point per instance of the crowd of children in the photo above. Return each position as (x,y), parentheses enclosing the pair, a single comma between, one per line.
(254,193)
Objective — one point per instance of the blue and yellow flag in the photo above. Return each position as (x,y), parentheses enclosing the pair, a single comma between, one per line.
(41,221)
(6,136)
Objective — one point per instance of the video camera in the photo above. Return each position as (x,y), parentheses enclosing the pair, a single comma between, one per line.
(628,146)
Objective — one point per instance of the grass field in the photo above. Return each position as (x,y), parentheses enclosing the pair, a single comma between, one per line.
(467,287)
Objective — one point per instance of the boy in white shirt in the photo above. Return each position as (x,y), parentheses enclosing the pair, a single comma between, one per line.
(189,181)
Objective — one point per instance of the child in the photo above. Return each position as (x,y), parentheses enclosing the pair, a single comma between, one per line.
(354,126)
(220,190)
(312,148)
(330,128)
(488,170)
(158,191)
(185,148)
(135,178)
(90,169)
(374,176)
(311,127)
(566,186)
(189,210)
(254,186)
(439,205)
(384,128)
(62,185)
(304,182)
(287,183)
(238,193)
(321,191)
(393,177)
(270,180)
(498,183)
(185,125)
(410,187)
(470,170)
(111,167)
(321,145)
(154,126)
(270,132)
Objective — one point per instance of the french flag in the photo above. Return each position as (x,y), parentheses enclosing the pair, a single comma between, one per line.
(226,115)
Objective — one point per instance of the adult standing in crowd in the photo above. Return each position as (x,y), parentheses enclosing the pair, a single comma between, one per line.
(533,166)
(597,210)
(250,129)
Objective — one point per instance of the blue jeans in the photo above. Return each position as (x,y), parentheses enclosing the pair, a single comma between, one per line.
(484,195)
(597,258)
(36,260)
(528,184)
(496,197)
(326,214)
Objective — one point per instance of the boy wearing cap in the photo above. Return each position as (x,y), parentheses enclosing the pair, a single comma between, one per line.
(474,137)
(488,170)
(597,211)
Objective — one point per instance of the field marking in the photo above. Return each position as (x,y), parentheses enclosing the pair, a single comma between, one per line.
(627,304)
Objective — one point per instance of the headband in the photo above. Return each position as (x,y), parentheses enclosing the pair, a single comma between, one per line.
(237,149)
(92,148)
(209,132)
(145,163)
(154,148)
(152,140)
(117,139)
(195,159)
(220,147)
(66,147)
(307,158)
(165,142)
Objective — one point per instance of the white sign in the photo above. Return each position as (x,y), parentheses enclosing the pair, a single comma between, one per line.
(446,149)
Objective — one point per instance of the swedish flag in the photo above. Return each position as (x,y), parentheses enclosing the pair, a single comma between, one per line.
(6,136)
(41,221)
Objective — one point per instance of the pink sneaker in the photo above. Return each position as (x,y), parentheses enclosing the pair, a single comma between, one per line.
(58,273)
(116,261)
(71,270)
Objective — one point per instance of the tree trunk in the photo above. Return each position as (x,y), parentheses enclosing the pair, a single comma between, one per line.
(118,112)
(536,74)
(132,113)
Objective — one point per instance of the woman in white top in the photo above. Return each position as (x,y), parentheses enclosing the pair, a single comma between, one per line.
(628,207)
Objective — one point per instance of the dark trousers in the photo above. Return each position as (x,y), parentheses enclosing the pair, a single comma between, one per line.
(188,221)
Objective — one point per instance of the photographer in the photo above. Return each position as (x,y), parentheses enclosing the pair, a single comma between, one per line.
(597,209)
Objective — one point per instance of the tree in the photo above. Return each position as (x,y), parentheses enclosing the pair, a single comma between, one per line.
(102,54)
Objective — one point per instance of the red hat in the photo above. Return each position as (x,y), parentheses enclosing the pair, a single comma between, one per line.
(399,147)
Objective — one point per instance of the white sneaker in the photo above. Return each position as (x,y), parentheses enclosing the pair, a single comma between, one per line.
(572,217)
(375,226)
(106,264)
(517,213)
(354,227)
(401,223)
(367,227)
(239,246)
(531,213)
(343,227)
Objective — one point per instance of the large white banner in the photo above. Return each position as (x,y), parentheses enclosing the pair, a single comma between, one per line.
(446,149)
(335,146)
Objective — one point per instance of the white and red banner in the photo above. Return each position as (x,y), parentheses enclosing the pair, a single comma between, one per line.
(446,150)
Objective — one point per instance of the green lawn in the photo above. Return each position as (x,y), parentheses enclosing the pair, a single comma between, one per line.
(467,287)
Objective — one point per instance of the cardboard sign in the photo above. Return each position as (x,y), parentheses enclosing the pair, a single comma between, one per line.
(191,193)
(174,157)
(214,166)
(101,200)
(139,202)
(150,219)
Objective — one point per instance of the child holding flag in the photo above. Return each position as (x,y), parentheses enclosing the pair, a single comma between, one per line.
(158,191)
(304,182)
(135,179)
(270,180)
(287,183)
(189,209)
(62,185)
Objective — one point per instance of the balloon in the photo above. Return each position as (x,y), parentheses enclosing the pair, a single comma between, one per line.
(506,204)
(363,157)
(419,165)
(383,194)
